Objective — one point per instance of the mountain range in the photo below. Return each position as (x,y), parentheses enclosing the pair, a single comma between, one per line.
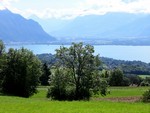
(110,28)
(16,29)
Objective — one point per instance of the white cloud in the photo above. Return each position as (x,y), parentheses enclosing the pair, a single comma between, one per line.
(134,6)
(81,7)
(6,4)
(140,6)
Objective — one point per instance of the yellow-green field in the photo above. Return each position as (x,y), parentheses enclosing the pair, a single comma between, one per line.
(40,104)
(144,76)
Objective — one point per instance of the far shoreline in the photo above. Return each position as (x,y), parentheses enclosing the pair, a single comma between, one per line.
(59,43)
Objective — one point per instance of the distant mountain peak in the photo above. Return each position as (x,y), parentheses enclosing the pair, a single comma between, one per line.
(15,28)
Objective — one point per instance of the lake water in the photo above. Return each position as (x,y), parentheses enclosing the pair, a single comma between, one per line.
(131,53)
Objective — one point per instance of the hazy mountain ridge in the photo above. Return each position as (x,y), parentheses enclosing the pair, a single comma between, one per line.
(111,28)
(51,24)
(16,29)
(94,25)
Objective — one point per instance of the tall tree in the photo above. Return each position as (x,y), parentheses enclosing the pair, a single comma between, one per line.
(2,47)
(22,73)
(82,66)
(2,61)
(44,79)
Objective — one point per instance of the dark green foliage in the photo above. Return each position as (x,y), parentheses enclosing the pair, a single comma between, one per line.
(49,59)
(128,67)
(2,61)
(146,96)
(134,79)
(103,88)
(116,78)
(44,79)
(76,74)
(61,87)
(2,47)
(146,82)
(126,81)
(22,73)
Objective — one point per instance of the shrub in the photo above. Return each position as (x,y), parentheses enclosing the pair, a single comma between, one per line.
(146,96)
(57,93)
(144,84)
(62,89)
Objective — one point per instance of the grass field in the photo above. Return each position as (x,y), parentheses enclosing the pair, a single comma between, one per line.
(125,91)
(144,76)
(40,104)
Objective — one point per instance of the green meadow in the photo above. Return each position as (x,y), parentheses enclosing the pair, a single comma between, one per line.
(125,92)
(144,76)
(40,104)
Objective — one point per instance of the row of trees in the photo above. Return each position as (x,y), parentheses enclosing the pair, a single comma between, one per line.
(128,67)
(116,77)
(75,74)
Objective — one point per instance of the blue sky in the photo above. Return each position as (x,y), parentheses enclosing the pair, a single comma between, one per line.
(73,8)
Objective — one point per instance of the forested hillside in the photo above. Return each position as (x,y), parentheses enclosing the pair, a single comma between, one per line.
(128,67)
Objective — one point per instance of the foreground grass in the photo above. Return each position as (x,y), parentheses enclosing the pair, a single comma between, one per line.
(21,105)
(40,104)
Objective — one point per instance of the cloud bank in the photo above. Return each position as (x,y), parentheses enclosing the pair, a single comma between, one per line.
(74,8)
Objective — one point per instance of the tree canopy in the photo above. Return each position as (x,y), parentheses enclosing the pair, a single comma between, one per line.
(21,75)
(2,61)
(116,78)
(81,69)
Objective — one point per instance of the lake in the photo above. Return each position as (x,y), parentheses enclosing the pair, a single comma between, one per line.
(131,53)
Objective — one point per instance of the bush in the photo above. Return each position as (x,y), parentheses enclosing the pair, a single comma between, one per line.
(57,93)
(60,93)
(116,78)
(146,96)
(62,89)
(59,87)
(103,88)
(144,84)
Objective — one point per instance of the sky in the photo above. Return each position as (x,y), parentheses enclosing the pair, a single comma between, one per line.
(73,8)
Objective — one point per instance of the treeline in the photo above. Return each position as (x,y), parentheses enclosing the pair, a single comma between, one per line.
(74,73)
(128,67)
(115,72)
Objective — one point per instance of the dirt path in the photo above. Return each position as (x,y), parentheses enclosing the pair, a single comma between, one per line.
(121,99)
